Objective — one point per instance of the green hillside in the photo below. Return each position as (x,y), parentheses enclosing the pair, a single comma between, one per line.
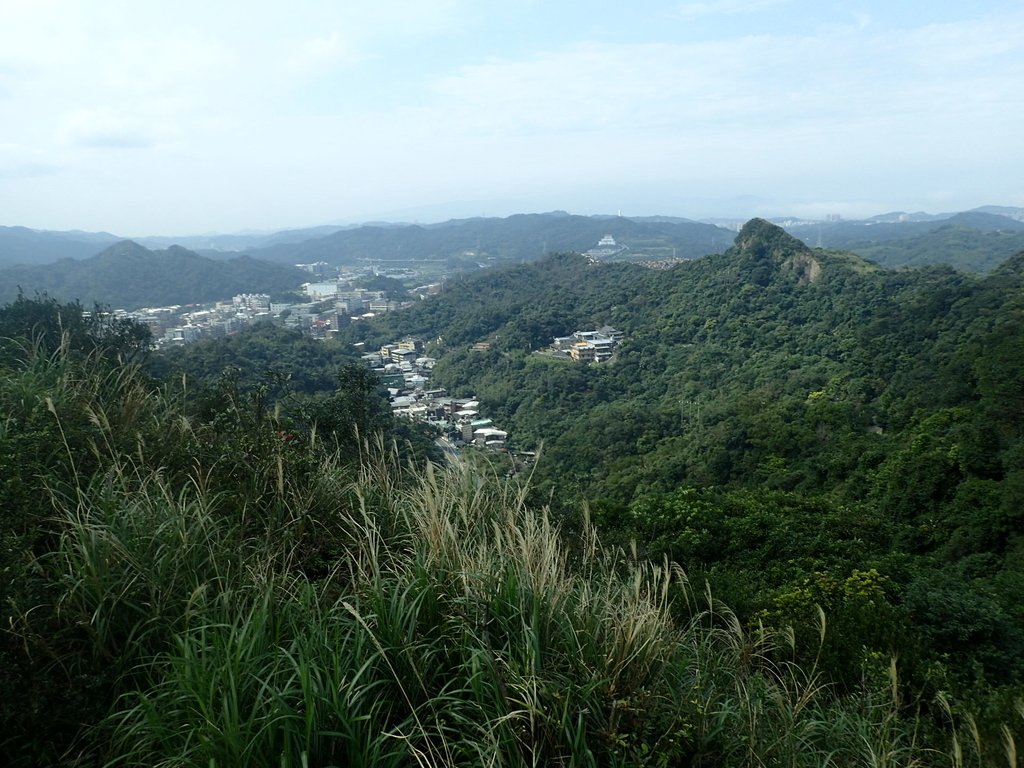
(971,241)
(780,527)
(524,237)
(127,275)
(961,247)
(776,413)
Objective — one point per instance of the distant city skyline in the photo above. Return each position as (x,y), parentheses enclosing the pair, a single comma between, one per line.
(190,118)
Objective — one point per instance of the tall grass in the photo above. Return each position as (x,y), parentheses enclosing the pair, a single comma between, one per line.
(454,629)
(386,615)
(53,398)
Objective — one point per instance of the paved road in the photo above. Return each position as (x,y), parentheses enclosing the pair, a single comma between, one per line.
(451,453)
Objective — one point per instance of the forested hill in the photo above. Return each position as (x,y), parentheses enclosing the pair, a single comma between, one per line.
(962,247)
(220,571)
(746,337)
(971,241)
(128,275)
(223,571)
(524,237)
(777,412)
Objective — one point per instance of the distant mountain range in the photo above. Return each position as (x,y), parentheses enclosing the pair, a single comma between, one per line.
(20,245)
(218,246)
(848,234)
(128,275)
(973,240)
(523,237)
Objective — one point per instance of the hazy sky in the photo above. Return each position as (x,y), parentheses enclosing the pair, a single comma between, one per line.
(146,117)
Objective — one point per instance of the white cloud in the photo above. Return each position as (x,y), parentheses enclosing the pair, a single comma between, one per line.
(592,87)
(963,45)
(27,171)
(332,106)
(853,76)
(21,162)
(850,107)
(106,128)
(323,53)
(727,7)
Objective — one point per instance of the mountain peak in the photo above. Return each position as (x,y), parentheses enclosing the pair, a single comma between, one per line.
(762,238)
(765,248)
(121,249)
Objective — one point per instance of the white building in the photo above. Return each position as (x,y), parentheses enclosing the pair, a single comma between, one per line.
(321,291)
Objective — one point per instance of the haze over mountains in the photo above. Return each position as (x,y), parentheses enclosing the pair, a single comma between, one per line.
(972,241)
(20,245)
(101,267)
(516,238)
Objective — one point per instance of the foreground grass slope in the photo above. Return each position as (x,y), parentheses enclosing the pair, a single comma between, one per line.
(235,590)
(455,629)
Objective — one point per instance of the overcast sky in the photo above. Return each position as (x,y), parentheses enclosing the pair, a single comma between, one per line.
(185,117)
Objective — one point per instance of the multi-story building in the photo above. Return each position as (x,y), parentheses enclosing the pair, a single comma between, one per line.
(255,302)
(588,346)
(182,334)
(583,352)
(321,291)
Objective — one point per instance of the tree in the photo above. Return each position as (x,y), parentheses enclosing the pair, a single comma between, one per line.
(357,409)
(50,324)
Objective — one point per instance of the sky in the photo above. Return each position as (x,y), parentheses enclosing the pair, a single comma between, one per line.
(140,117)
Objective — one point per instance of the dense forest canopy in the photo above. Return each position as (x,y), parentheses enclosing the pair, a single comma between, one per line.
(833,448)
(869,414)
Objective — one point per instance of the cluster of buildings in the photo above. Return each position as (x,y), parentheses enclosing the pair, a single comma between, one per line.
(659,263)
(181,324)
(606,248)
(331,301)
(175,325)
(587,346)
(329,307)
(404,370)
(351,301)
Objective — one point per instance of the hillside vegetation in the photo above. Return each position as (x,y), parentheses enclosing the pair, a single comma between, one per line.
(963,248)
(780,421)
(128,276)
(780,527)
(971,241)
(525,237)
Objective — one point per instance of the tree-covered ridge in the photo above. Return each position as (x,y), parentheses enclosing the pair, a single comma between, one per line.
(126,275)
(224,586)
(524,237)
(833,417)
(972,241)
